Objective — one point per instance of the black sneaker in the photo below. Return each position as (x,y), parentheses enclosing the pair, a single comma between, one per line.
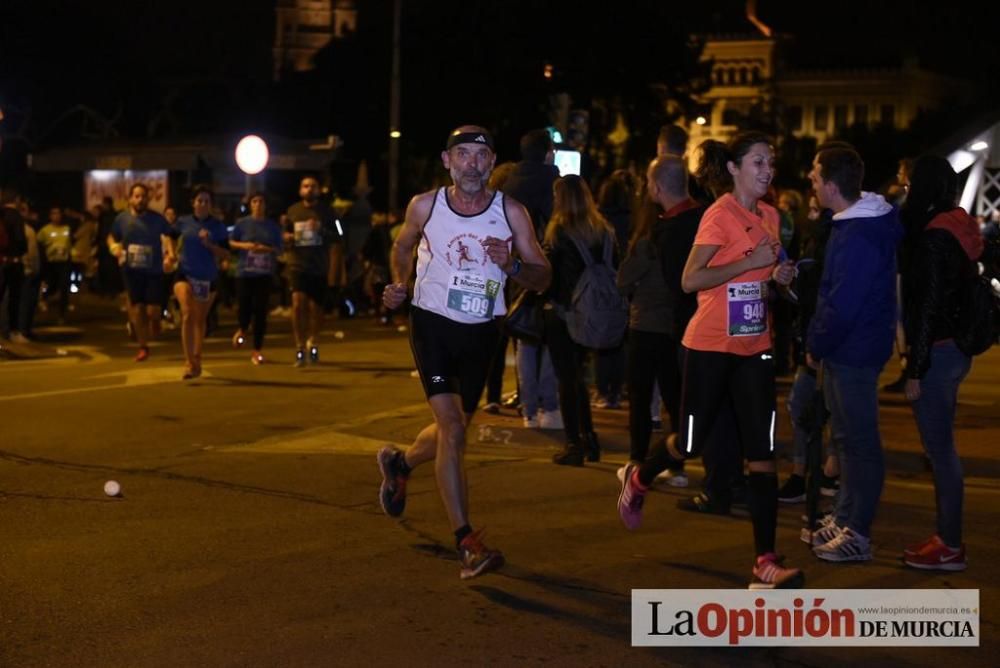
(392,494)
(300,358)
(313,355)
(702,503)
(572,455)
(793,491)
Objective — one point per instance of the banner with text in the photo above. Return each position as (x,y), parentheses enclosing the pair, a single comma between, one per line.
(813,617)
(101,183)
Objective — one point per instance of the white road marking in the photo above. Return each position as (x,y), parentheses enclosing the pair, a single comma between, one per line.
(133,378)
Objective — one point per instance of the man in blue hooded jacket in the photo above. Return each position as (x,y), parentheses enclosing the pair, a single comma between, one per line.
(852,335)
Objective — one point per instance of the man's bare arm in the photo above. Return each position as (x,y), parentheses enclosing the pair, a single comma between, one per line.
(535,273)
(401,261)
(417,212)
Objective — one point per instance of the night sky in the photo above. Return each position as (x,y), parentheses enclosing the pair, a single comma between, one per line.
(189,68)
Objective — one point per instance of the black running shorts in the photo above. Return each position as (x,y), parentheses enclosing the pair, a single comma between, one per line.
(452,357)
(143,288)
(747,380)
(313,285)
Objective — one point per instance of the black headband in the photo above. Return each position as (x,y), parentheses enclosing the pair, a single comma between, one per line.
(457,137)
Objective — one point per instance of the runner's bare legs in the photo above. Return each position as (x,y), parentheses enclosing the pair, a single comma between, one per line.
(444,442)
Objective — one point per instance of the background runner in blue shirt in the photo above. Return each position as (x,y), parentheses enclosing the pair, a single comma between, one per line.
(203,242)
(136,239)
(258,240)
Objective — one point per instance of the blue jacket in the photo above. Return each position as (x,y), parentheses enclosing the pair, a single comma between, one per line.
(855,319)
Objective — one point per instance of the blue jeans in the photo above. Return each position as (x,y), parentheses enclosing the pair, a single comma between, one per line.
(799,398)
(935,415)
(536,379)
(851,395)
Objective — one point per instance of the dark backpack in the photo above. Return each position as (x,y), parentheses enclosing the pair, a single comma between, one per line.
(598,313)
(978,310)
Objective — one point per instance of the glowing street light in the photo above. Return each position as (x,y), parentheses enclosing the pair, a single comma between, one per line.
(701,120)
(395,134)
(252,155)
(979,146)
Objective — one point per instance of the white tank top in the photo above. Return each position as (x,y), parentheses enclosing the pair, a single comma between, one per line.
(455,276)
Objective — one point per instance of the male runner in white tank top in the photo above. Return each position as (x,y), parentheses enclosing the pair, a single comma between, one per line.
(468,238)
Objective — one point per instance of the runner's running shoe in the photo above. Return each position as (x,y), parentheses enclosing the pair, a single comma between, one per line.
(476,558)
(631,498)
(392,494)
(770,573)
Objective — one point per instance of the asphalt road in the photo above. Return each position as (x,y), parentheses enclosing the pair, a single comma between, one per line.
(249,533)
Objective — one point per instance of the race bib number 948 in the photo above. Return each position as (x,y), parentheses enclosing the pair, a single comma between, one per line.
(747,305)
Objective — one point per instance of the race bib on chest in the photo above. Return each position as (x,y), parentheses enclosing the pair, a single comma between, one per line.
(259,263)
(305,235)
(472,294)
(200,289)
(747,304)
(139,256)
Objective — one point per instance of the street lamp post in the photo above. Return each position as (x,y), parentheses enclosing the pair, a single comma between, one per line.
(394,132)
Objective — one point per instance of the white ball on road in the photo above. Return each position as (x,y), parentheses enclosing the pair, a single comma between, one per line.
(112,488)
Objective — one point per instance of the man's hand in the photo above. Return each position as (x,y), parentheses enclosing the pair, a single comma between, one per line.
(912,389)
(811,363)
(784,273)
(394,295)
(204,236)
(498,251)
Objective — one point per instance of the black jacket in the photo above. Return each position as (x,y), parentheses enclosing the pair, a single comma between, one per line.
(673,238)
(530,183)
(806,286)
(13,223)
(933,282)
(567,266)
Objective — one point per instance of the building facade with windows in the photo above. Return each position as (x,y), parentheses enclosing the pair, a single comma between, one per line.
(748,75)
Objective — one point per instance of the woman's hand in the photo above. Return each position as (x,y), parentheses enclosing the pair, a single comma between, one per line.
(912,389)
(764,255)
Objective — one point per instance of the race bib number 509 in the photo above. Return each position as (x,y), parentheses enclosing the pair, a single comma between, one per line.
(472,294)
